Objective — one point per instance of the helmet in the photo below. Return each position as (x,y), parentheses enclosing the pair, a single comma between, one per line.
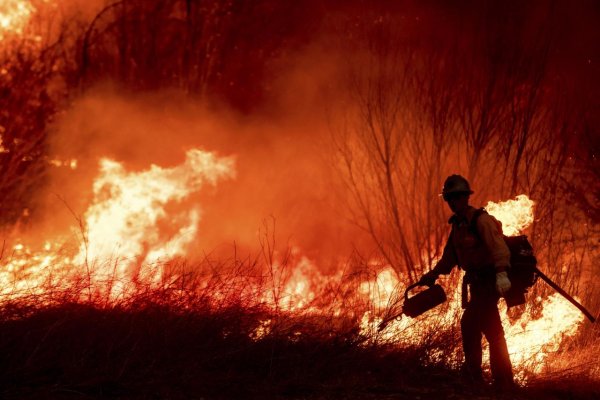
(456,184)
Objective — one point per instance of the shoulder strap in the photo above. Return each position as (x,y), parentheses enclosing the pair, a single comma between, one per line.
(479,212)
(476,215)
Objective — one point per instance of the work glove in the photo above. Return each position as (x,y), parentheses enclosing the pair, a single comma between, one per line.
(428,279)
(502,283)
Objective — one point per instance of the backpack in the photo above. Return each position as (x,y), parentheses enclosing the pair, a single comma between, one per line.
(523,264)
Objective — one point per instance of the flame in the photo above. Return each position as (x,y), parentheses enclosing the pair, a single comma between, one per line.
(121,224)
(14,16)
(124,245)
(122,242)
(516,215)
(530,341)
(302,288)
(29,272)
(403,330)
(298,292)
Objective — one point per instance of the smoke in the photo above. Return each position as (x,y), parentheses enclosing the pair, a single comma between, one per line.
(284,183)
(271,105)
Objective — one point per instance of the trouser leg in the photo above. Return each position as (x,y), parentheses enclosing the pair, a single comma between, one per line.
(471,338)
(494,333)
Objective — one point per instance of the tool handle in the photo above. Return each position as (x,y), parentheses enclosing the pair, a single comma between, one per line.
(409,288)
(565,294)
(387,320)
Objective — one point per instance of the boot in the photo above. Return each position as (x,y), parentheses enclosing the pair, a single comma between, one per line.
(472,376)
(504,385)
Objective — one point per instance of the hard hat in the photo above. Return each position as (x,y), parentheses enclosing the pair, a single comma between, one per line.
(456,184)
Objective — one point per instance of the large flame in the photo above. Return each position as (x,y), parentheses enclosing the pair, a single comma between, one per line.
(122,224)
(122,221)
(122,242)
(530,341)
(516,215)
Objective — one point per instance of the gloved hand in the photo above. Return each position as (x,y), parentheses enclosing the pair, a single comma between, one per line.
(428,279)
(502,283)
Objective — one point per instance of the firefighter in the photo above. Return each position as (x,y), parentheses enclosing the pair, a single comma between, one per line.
(485,258)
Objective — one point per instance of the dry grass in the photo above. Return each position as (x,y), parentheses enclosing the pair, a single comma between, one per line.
(214,337)
(153,345)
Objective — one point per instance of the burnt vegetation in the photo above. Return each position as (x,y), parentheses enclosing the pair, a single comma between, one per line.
(493,98)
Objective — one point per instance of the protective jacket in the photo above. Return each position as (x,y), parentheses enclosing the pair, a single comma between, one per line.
(481,251)
(473,250)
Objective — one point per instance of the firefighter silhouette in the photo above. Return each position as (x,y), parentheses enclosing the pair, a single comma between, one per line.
(479,249)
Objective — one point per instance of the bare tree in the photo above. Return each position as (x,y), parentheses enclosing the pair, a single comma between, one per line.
(392,152)
(419,113)
(129,40)
(27,103)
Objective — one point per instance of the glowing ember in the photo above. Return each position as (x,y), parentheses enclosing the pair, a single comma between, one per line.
(28,272)
(14,16)
(263,329)
(2,148)
(515,215)
(72,163)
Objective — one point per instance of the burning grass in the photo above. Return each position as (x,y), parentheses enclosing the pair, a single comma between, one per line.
(143,319)
(232,328)
(206,335)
